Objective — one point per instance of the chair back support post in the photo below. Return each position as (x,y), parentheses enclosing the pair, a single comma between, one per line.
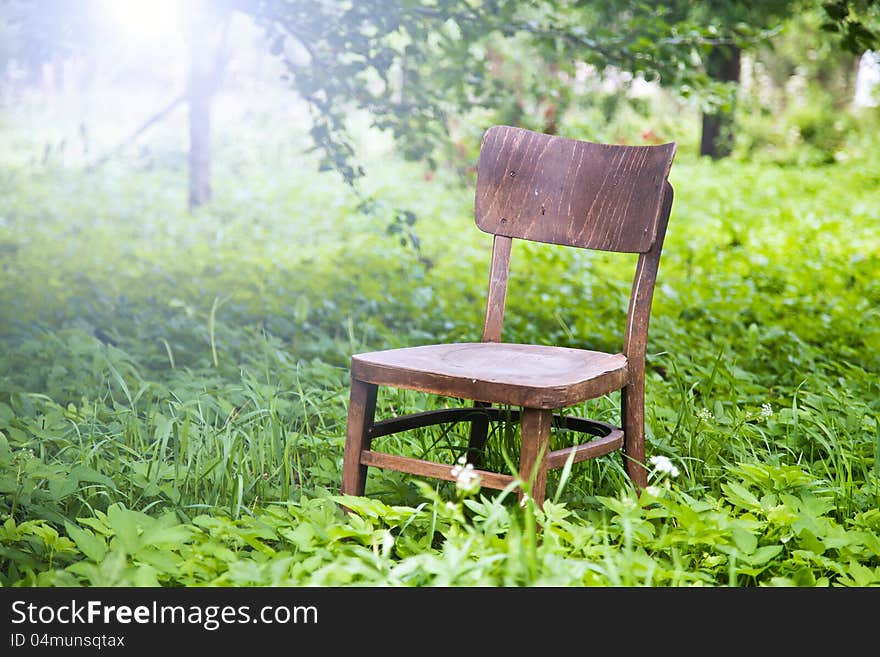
(632,400)
(641,297)
(495,299)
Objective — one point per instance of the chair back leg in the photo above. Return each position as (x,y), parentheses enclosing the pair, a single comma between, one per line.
(478,435)
(632,412)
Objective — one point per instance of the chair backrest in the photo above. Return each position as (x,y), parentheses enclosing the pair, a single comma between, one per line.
(575,193)
(549,189)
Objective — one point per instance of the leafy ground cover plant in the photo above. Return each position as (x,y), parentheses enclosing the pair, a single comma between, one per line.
(173,386)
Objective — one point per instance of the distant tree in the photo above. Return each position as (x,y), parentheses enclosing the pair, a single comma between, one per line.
(206,31)
(41,32)
(738,25)
(413,65)
(856,21)
(741,25)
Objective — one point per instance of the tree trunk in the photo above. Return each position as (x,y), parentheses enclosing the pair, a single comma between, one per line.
(199,149)
(199,91)
(723,64)
(209,54)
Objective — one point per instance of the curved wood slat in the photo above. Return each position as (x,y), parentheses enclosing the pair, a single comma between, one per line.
(564,191)
(599,447)
(429,468)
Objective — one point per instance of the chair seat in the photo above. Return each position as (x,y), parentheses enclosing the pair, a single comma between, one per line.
(535,376)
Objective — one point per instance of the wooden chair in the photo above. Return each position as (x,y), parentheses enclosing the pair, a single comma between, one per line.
(548,189)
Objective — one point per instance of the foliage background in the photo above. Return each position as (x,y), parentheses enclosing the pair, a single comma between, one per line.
(173,383)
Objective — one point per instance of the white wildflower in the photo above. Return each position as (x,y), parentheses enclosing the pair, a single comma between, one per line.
(766,410)
(705,414)
(25,454)
(663,464)
(628,501)
(467,480)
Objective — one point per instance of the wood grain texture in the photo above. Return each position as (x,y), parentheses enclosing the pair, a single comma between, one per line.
(537,376)
(533,452)
(635,341)
(575,193)
(632,410)
(430,468)
(598,447)
(495,299)
(361,411)
(638,314)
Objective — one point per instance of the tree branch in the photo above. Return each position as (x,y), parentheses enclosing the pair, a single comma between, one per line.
(158,116)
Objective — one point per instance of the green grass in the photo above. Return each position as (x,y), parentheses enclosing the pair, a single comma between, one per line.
(173,387)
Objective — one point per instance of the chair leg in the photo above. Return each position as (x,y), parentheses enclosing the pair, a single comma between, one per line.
(632,411)
(535,427)
(361,413)
(479,433)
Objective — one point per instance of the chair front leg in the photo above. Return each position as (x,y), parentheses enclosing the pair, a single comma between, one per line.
(535,429)
(361,413)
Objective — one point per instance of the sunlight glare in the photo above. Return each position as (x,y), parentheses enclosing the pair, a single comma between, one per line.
(142,19)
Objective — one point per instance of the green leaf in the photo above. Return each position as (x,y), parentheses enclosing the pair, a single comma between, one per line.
(807,540)
(303,537)
(6,415)
(762,555)
(62,487)
(145,575)
(745,541)
(161,561)
(739,495)
(5,451)
(90,545)
(166,536)
(85,473)
(126,526)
